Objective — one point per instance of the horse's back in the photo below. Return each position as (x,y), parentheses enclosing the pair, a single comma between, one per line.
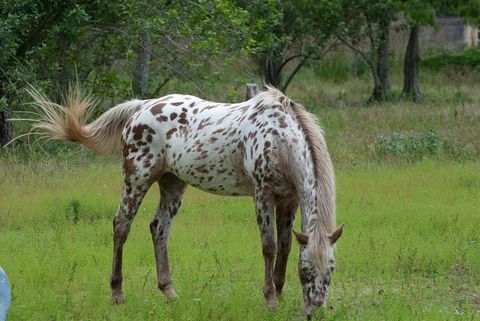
(221,148)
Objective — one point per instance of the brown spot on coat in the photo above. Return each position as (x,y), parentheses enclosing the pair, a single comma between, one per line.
(129,167)
(157,109)
(171,132)
(139,129)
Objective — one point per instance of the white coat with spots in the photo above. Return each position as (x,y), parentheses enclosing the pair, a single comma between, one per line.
(268,147)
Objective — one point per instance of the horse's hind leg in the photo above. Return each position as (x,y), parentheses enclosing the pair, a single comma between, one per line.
(171,194)
(134,189)
(284,218)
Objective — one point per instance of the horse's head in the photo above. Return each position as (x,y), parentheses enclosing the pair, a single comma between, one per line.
(315,277)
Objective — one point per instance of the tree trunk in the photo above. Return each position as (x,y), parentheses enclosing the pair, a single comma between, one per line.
(411,83)
(5,125)
(382,88)
(356,65)
(271,71)
(378,93)
(5,128)
(144,53)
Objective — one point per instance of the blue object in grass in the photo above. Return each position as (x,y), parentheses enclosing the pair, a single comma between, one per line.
(5,296)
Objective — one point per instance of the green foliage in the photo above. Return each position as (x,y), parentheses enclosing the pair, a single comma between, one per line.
(413,147)
(186,37)
(418,12)
(98,42)
(407,146)
(52,44)
(285,35)
(469,58)
(468,9)
(3,104)
(354,21)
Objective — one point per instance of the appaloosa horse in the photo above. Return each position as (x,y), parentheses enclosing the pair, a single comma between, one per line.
(268,147)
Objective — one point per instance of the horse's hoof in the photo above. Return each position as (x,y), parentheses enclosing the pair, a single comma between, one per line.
(279,294)
(118,299)
(272,304)
(170,294)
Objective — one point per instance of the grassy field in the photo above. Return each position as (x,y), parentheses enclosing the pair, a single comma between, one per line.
(408,192)
(410,251)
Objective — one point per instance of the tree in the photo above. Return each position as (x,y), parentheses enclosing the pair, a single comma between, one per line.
(417,14)
(113,47)
(286,35)
(180,40)
(354,22)
(24,26)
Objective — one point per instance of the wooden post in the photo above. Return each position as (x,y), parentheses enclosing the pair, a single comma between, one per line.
(252,90)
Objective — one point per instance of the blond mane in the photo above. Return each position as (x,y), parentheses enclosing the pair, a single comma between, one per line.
(323,224)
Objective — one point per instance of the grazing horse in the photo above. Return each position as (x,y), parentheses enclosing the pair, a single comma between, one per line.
(268,147)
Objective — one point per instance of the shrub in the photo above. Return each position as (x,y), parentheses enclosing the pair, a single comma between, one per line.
(469,58)
(406,146)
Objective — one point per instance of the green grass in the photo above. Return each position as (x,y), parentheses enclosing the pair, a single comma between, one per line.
(410,251)
(411,248)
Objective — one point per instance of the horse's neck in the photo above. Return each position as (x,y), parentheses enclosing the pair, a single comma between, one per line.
(307,192)
(308,206)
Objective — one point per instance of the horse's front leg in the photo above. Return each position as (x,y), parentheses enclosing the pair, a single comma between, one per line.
(171,194)
(265,205)
(284,218)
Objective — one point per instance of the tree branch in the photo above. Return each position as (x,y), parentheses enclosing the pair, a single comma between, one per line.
(160,86)
(365,57)
(294,72)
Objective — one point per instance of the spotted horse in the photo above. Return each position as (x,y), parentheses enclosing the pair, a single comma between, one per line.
(268,147)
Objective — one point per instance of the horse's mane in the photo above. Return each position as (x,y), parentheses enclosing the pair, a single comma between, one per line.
(323,224)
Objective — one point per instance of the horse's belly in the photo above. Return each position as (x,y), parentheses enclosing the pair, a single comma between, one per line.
(230,184)
(221,174)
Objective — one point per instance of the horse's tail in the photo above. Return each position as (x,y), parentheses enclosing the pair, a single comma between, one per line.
(68,122)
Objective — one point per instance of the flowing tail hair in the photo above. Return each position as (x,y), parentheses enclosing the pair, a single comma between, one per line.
(69,122)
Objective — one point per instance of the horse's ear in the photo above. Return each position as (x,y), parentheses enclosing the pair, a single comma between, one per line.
(302,238)
(336,234)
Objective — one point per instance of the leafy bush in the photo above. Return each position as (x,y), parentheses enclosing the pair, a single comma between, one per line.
(406,146)
(469,58)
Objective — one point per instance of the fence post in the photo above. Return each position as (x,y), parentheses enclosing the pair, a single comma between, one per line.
(252,90)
